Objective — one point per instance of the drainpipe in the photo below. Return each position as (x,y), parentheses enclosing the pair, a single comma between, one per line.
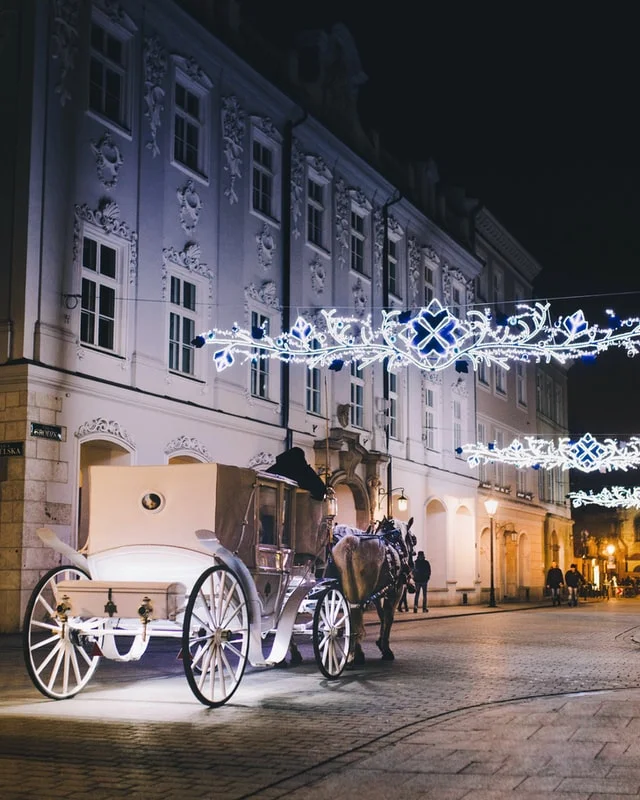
(397,196)
(285,380)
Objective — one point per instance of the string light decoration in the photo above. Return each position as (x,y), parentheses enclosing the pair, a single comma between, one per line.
(586,453)
(430,338)
(615,497)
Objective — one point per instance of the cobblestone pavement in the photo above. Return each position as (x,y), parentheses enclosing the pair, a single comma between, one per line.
(534,703)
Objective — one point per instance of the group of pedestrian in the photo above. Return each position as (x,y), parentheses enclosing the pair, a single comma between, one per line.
(556,581)
(421,574)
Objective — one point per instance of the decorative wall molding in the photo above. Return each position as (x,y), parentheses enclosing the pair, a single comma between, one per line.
(154,58)
(318,272)
(431,254)
(359,199)
(64,43)
(450,274)
(106,426)
(267,294)
(319,166)
(187,444)
(114,11)
(378,245)
(415,266)
(360,299)
(266,247)
(108,159)
(459,387)
(188,259)
(190,206)
(265,124)
(193,71)
(261,460)
(233,130)
(297,187)
(343,221)
(107,217)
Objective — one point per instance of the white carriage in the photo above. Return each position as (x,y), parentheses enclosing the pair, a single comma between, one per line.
(203,553)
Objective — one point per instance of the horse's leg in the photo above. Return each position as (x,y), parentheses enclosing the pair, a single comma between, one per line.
(356,657)
(296,655)
(386,614)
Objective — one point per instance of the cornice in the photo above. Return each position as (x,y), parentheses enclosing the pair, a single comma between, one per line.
(506,244)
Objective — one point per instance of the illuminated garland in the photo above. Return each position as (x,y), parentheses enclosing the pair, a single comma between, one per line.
(430,338)
(616,497)
(586,453)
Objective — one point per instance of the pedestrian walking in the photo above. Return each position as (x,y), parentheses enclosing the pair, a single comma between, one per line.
(555,580)
(573,579)
(421,575)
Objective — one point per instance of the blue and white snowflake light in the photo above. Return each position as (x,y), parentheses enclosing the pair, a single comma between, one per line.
(615,497)
(586,453)
(430,338)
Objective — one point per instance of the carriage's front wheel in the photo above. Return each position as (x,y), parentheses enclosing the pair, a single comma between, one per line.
(332,633)
(58,653)
(215,636)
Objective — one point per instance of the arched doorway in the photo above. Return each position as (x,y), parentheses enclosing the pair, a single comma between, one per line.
(435,546)
(347,512)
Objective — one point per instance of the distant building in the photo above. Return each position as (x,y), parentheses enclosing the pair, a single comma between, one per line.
(163,176)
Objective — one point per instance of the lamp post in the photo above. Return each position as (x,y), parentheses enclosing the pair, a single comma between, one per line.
(491,506)
(403,501)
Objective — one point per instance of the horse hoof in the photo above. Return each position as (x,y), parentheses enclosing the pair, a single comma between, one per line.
(296,661)
(388,656)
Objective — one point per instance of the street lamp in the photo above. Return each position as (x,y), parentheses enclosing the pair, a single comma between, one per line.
(491,506)
(403,501)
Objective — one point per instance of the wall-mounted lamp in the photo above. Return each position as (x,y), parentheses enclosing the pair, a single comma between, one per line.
(403,500)
(331,503)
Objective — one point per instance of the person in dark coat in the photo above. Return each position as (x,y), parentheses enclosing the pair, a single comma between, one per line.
(421,575)
(555,580)
(573,579)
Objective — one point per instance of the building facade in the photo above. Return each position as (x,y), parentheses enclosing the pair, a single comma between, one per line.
(158,184)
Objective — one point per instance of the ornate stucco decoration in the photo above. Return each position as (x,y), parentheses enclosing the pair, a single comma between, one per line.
(318,274)
(343,221)
(319,166)
(266,247)
(297,188)
(106,426)
(108,159)
(107,217)
(116,14)
(415,264)
(378,245)
(431,377)
(188,259)
(359,298)
(267,294)
(265,124)
(262,460)
(187,444)
(233,130)
(190,67)
(359,199)
(451,274)
(190,206)
(155,67)
(64,42)
(431,254)
(459,387)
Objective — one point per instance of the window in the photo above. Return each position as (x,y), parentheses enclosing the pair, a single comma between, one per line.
(559,405)
(356,245)
(521,481)
(392,258)
(182,320)
(187,131)
(100,281)
(500,377)
(430,419)
(483,378)
(498,287)
(636,529)
(315,212)
(521,383)
(263,175)
(457,302)
(499,465)
(259,366)
(313,388)
(539,382)
(457,428)
(429,284)
(108,74)
(357,397)
(393,404)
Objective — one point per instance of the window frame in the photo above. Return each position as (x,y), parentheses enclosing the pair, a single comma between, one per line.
(313,393)
(183,75)
(193,315)
(259,369)
(272,142)
(356,387)
(431,410)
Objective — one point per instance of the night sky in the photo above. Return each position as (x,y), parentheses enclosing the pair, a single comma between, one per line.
(534,114)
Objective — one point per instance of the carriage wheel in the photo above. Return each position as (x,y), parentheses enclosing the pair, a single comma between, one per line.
(215,636)
(332,633)
(59,656)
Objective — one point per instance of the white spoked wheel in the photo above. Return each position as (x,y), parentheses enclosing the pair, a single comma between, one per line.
(332,633)
(59,655)
(215,636)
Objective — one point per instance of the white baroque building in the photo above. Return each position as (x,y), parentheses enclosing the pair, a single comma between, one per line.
(156,183)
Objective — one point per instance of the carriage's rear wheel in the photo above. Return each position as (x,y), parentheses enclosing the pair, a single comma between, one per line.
(58,654)
(332,633)
(215,636)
